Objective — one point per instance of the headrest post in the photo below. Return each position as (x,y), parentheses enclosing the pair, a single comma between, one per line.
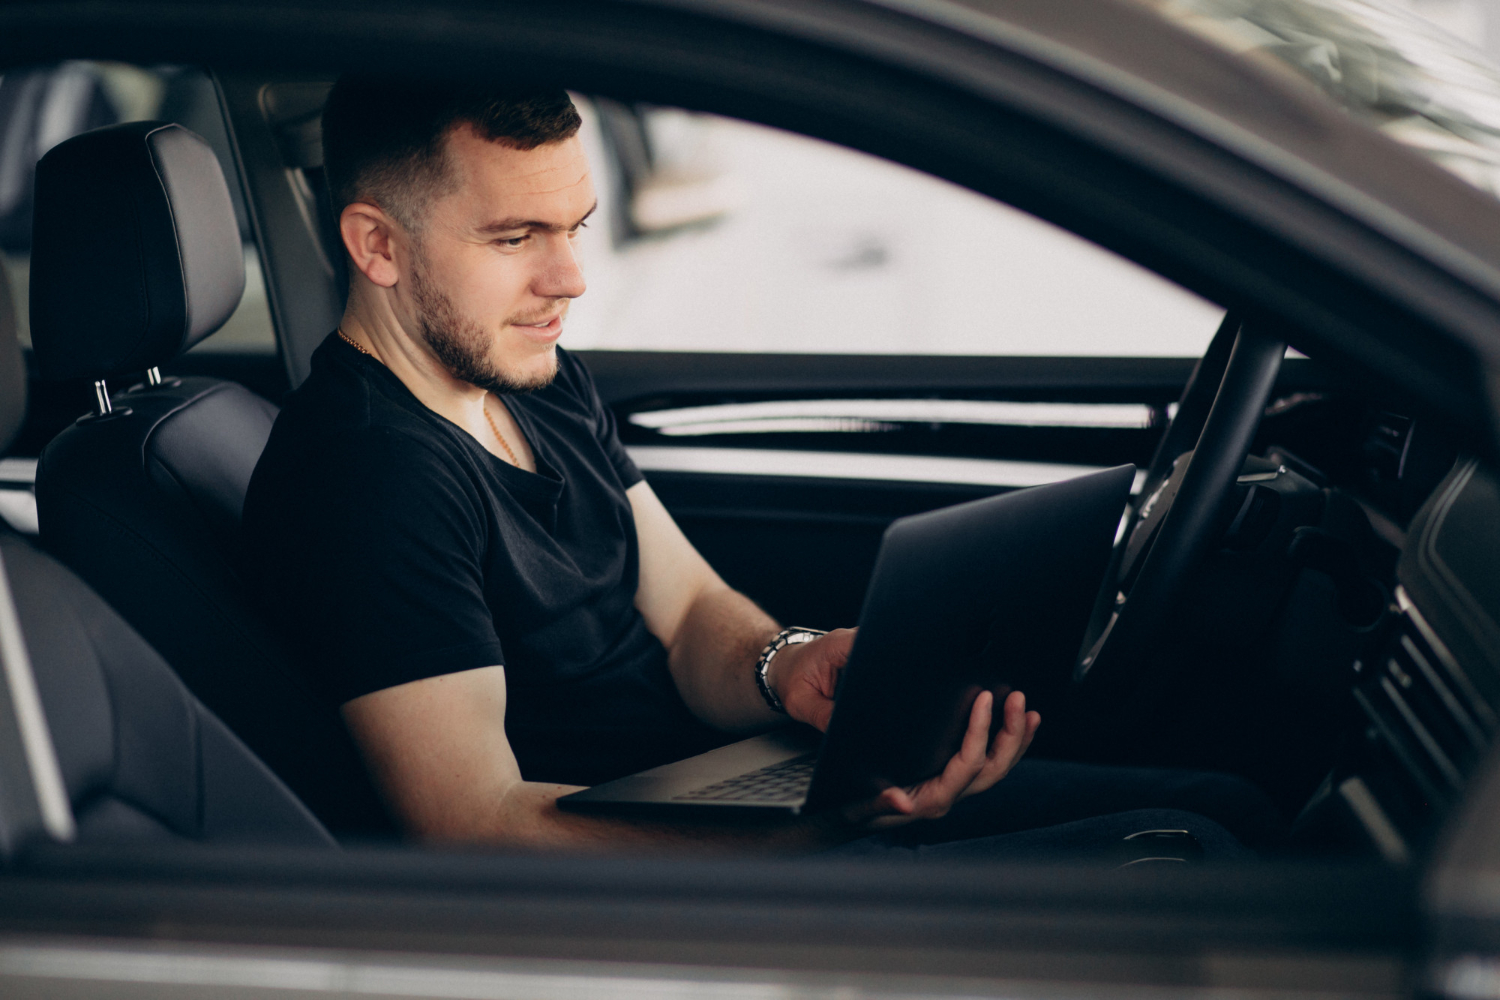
(101,397)
(153,376)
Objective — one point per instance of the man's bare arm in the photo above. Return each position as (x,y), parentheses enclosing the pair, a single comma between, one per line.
(438,751)
(713,634)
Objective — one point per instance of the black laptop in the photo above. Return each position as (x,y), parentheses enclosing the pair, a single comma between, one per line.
(989,595)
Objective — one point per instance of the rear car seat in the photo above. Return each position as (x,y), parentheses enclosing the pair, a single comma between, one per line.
(136,257)
(140,757)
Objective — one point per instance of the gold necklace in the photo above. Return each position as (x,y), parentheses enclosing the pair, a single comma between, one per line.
(511,455)
(353,343)
(498,437)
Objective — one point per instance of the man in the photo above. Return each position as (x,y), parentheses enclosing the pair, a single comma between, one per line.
(468,562)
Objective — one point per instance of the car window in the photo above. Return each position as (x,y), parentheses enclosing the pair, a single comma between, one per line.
(41,106)
(718,235)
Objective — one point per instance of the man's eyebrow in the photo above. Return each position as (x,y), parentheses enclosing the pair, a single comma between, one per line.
(516,224)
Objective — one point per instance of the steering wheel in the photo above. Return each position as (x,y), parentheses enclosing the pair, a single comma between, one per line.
(1185,508)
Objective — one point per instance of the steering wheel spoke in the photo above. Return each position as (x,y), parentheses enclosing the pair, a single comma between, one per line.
(1187,510)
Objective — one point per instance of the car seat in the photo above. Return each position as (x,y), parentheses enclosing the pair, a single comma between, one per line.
(136,257)
(139,757)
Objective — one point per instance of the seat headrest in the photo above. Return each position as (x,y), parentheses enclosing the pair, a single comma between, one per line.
(12,368)
(135,253)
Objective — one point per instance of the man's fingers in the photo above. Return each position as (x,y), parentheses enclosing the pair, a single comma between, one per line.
(978,733)
(893,803)
(1033,723)
(806,676)
(936,795)
(827,654)
(897,800)
(1010,744)
(964,765)
(977,765)
(1012,737)
(839,642)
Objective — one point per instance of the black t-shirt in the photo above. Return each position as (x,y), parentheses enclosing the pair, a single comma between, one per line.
(391,546)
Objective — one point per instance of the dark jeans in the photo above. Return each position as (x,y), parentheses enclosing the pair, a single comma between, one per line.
(1062,809)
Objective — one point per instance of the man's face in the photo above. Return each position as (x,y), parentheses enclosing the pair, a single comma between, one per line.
(494,266)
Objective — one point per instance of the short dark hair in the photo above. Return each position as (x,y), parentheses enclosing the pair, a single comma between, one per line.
(383,138)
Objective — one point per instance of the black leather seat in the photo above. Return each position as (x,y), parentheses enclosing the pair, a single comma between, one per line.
(136,257)
(139,756)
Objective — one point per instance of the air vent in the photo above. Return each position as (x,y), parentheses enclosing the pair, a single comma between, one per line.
(1424,707)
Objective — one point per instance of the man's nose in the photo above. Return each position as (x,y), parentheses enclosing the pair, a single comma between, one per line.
(561,275)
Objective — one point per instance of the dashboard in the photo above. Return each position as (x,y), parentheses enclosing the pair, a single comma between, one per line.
(1428,686)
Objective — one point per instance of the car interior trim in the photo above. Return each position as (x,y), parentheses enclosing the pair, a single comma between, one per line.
(31,721)
(18,509)
(780,425)
(20,471)
(853,465)
(266,969)
(489,978)
(1003,413)
(329,975)
(1444,655)
(1377,824)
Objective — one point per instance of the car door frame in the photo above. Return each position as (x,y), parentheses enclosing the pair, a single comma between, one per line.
(990,116)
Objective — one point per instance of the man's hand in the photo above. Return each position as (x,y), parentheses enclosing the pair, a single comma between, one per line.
(805,676)
(972,770)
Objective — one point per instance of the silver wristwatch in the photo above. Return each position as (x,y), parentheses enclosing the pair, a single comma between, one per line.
(786,637)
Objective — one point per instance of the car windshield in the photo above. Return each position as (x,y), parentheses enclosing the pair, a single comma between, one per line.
(1415,82)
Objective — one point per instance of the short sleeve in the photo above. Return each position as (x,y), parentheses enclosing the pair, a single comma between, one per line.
(391,587)
(605,428)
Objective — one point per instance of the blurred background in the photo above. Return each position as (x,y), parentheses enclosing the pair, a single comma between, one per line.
(1475,21)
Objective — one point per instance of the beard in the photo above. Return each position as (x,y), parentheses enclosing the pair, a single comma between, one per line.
(460,343)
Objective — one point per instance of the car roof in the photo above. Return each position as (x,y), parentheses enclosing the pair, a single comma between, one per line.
(1123,47)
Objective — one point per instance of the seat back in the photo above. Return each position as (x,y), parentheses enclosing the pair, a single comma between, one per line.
(138,755)
(144,503)
(141,758)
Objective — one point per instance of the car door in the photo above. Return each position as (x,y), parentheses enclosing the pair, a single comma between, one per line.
(1317,928)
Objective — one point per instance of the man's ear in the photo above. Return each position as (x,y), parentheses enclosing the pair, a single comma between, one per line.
(368,236)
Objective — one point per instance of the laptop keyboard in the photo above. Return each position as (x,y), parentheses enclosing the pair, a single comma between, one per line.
(779,784)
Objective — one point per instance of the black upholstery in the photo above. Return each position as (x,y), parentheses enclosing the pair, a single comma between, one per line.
(136,253)
(205,449)
(145,504)
(12,368)
(141,757)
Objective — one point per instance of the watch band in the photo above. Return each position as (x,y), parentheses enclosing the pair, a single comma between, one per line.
(786,637)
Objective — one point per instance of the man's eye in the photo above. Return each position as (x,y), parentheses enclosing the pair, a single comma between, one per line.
(514,242)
